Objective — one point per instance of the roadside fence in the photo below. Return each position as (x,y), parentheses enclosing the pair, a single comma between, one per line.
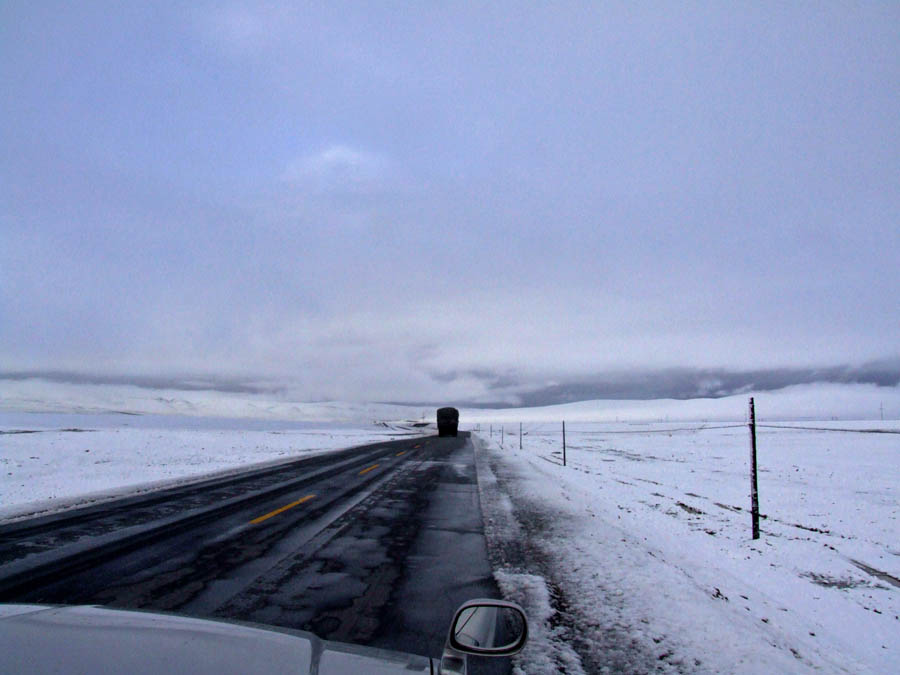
(546,431)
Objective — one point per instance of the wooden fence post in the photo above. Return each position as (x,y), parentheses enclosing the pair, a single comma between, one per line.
(754,489)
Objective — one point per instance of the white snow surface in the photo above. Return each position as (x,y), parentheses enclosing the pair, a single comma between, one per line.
(43,396)
(637,555)
(55,462)
(819,401)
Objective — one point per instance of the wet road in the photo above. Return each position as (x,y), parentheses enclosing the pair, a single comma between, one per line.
(375,546)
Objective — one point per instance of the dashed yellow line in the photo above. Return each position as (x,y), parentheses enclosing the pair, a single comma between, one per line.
(400,453)
(364,471)
(282,509)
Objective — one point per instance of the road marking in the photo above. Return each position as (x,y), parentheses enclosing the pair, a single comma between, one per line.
(374,466)
(400,453)
(283,508)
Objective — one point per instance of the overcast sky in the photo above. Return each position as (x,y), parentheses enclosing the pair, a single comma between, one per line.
(417,201)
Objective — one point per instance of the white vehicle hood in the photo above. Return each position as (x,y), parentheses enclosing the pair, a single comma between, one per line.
(42,639)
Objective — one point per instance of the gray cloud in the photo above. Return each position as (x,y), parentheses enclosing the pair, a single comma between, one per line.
(508,389)
(702,383)
(146,382)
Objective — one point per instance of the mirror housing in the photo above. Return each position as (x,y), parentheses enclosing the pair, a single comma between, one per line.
(485,627)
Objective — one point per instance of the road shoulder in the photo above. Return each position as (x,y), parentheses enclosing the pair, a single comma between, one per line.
(605,597)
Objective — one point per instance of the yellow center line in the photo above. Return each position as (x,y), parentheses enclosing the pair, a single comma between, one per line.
(400,453)
(374,466)
(283,508)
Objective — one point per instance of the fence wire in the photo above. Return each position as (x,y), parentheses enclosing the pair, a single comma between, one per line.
(553,429)
(850,431)
(576,430)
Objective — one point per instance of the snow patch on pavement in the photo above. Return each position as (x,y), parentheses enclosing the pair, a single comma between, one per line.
(548,650)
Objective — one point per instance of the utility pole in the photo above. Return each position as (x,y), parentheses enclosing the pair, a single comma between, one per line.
(754,490)
(520,435)
(564,442)
(881,408)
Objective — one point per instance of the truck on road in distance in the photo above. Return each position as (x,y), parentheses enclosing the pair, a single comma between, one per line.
(447,421)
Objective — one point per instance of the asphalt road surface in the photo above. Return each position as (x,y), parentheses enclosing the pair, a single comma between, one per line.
(376,545)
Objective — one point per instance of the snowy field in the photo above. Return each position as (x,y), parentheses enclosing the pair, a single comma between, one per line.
(644,538)
(52,462)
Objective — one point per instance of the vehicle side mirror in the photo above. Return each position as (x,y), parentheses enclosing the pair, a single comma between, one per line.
(484,627)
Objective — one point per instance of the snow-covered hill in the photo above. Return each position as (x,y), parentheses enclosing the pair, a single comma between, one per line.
(812,401)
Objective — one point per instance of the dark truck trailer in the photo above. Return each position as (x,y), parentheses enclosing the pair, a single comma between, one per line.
(447,421)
